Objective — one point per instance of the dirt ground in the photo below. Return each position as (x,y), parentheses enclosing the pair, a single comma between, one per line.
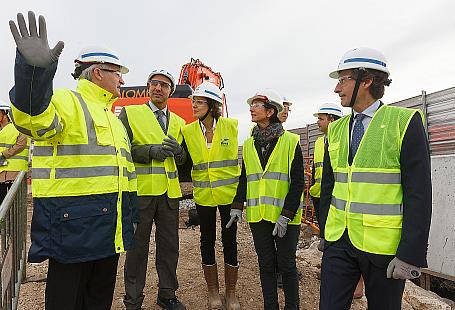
(192,291)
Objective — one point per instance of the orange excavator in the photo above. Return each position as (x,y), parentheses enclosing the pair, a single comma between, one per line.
(192,75)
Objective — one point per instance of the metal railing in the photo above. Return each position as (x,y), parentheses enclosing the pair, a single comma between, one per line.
(13,228)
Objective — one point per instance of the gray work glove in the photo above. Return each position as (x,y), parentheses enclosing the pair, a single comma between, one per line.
(172,145)
(398,269)
(158,153)
(33,46)
(281,226)
(236,216)
(321,245)
(3,161)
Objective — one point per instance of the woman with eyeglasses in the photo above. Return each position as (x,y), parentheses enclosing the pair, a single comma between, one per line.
(271,183)
(213,147)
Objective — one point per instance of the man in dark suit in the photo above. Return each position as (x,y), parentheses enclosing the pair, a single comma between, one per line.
(376,190)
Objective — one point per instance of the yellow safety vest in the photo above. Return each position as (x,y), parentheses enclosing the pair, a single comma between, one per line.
(93,157)
(8,138)
(367,196)
(315,189)
(155,178)
(267,189)
(216,171)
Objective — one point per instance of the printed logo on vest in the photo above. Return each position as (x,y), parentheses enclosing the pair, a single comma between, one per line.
(225,142)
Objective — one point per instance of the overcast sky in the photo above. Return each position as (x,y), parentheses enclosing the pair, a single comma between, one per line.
(287,45)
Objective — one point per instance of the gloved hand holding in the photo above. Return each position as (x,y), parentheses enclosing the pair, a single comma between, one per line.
(398,269)
(281,226)
(33,46)
(236,216)
(158,153)
(171,144)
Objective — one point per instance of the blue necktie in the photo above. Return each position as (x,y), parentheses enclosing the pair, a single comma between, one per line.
(357,133)
(160,118)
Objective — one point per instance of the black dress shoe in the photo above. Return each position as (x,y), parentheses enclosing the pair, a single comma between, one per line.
(170,304)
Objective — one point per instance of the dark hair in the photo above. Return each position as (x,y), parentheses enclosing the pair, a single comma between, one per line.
(380,79)
(274,117)
(334,117)
(214,106)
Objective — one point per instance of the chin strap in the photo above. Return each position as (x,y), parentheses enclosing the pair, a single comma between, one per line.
(362,72)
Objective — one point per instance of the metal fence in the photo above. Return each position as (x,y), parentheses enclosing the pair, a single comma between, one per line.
(13,228)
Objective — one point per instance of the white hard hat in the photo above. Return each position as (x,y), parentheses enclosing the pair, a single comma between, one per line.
(271,96)
(362,57)
(286,100)
(208,90)
(5,105)
(100,55)
(329,108)
(164,73)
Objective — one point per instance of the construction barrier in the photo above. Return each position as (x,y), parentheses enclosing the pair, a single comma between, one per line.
(13,228)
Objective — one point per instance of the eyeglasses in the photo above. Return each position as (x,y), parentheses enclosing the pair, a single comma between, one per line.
(116,72)
(343,79)
(164,85)
(199,102)
(255,105)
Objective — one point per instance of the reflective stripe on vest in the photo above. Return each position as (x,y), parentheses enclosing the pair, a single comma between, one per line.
(155,178)
(216,170)
(267,189)
(367,196)
(315,189)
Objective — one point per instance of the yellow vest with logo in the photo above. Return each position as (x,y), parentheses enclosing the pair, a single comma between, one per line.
(216,170)
(92,158)
(367,196)
(315,189)
(155,178)
(267,189)
(8,138)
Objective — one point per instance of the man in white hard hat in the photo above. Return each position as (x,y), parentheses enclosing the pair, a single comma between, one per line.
(84,184)
(376,190)
(156,137)
(14,148)
(283,115)
(326,114)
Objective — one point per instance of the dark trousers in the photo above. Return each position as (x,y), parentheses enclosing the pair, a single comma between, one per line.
(342,265)
(4,188)
(272,252)
(81,286)
(316,208)
(164,213)
(207,216)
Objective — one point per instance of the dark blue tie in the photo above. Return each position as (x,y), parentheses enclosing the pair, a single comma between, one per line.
(357,133)
(160,118)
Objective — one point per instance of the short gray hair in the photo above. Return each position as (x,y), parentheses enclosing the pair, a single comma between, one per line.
(88,72)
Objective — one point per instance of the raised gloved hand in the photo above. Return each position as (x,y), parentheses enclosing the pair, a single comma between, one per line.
(281,226)
(158,153)
(236,216)
(398,269)
(33,46)
(172,145)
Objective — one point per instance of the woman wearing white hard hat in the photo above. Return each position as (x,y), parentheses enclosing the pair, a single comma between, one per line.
(212,143)
(271,184)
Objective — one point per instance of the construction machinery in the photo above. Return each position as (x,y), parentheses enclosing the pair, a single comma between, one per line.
(191,76)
